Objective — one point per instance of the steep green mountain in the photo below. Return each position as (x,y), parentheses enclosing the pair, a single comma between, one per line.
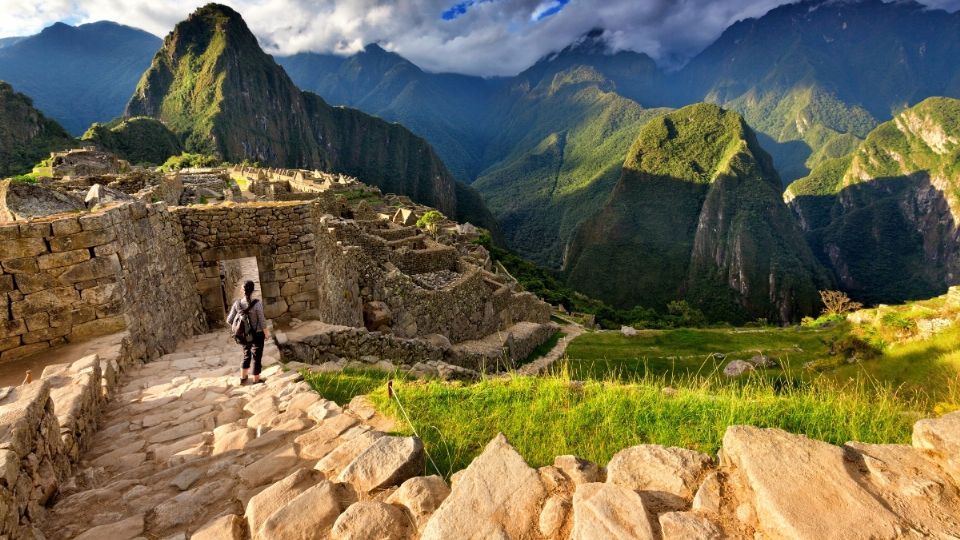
(885,218)
(214,87)
(26,135)
(559,148)
(138,140)
(697,215)
(815,76)
(79,75)
(449,110)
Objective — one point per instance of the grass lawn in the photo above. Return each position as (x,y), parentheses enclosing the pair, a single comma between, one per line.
(549,416)
(689,352)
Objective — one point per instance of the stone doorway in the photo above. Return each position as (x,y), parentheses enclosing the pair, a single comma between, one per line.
(233,274)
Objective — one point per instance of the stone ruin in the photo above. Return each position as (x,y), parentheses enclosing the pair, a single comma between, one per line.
(295,184)
(142,430)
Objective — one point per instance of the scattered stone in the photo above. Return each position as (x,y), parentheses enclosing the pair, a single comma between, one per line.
(421,496)
(496,496)
(228,527)
(578,470)
(126,529)
(763,361)
(387,462)
(553,515)
(688,526)
(668,474)
(185,479)
(629,331)
(737,368)
(262,505)
(100,194)
(708,495)
(609,511)
(371,520)
(308,514)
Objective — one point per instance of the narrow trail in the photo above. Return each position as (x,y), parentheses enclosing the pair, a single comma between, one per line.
(182,443)
(545,362)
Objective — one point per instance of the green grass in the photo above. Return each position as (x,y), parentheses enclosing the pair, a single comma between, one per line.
(686,352)
(548,416)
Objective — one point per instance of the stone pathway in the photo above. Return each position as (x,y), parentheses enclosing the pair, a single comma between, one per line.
(542,365)
(182,443)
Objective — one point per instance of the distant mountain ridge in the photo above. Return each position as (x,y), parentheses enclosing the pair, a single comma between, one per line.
(79,75)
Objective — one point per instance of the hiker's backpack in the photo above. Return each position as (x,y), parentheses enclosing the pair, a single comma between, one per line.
(242,327)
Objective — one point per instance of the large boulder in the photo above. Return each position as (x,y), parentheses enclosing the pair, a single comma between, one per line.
(605,511)
(371,520)
(941,437)
(20,201)
(670,475)
(387,462)
(421,496)
(262,505)
(497,496)
(308,514)
(801,488)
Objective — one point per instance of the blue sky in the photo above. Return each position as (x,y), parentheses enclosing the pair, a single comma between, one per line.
(478,37)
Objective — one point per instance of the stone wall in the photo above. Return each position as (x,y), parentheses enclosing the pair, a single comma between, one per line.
(279,235)
(80,276)
(44,427)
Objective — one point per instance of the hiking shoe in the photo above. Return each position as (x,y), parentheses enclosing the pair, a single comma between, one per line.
(260,381)
(243,381)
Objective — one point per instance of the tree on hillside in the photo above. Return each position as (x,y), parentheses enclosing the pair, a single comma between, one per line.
(837,303)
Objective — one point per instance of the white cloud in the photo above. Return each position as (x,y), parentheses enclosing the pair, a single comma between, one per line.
(492,37)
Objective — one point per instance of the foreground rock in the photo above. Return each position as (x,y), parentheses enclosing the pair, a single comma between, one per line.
(495,497)
(801,488)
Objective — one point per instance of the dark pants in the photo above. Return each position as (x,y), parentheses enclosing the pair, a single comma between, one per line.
(254,351)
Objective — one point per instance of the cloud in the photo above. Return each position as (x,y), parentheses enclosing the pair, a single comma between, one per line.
(480,37)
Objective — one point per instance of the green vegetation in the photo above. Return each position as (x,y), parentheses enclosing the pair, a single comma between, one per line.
(139,140)
(663,387)
(697,214)
(430,220)
(549,416)
(899,184)
(694,353)
(26,135)
(187,161)
(547,286)
(30,178)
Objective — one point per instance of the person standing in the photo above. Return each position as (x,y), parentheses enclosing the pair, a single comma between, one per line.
(253,349)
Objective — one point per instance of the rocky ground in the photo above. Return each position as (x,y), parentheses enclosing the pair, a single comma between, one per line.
(184,451)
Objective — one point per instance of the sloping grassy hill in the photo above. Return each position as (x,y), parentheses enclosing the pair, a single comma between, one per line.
(26,135)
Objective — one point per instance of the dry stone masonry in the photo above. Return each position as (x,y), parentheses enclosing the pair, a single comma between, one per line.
(145,432)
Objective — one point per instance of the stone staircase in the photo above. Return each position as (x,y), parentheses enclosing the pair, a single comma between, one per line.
(183,449)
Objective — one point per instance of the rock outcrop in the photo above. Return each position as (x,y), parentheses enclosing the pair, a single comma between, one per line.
(24,200)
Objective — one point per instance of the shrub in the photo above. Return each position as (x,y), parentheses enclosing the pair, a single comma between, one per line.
(430,220)
(29,178)
(187,161)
